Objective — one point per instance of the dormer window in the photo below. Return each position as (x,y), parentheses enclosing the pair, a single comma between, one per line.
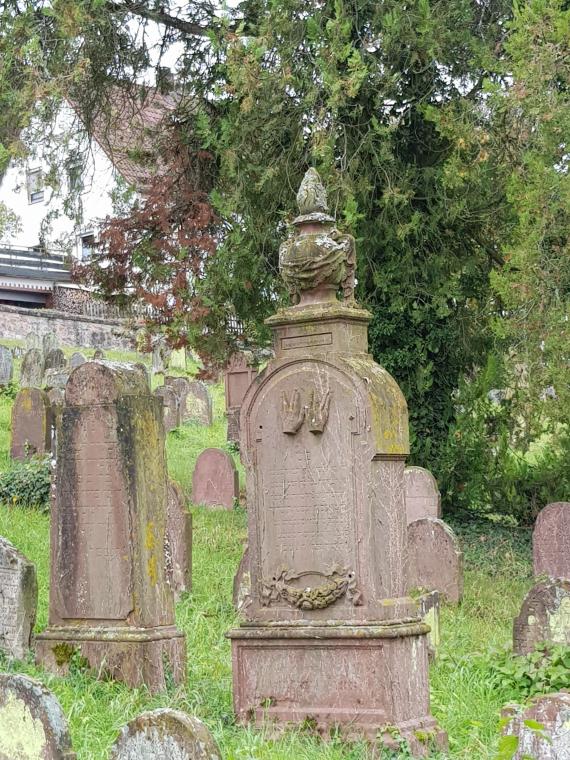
(35,186)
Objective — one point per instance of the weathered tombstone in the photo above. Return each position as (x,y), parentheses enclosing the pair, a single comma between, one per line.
(215,480)
(435,561)
(239,375)
(178,548)
(49,342)
(31,424)
(178,358)
(542,728)
(33,340)
(56,378)
(429,612)
(198,406)
(6,365)
(56,398)
(551,541)
(54,359)
(171,406)
(18,600)
(109,599)
(165,734)
(98,354)
(242,583)
(422,494)
(180,384)
(160,356)
(32,369)
(544,616)
(77,358)
(329,632)
(32,723)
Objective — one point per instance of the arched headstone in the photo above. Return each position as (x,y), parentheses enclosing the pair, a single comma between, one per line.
(435,561)
(33,340)
(54,359)
(544,616)
(32,369)
(49,342)
(171,406)
(215,481)
(31,424)
(18,600)
(6,365)
(422,494)
(198,406)
(551,541)
(542,727)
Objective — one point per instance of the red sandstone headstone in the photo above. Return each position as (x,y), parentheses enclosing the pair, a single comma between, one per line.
(194,399)
(422,494)
(31,424)
(544,616)
(330,633)
(238,376)
(242,583)
(551,541)
(542,728)
(109,598)
(56,398)
(435,561)
(18,601)
(178,541)
(215,481)
(171,406)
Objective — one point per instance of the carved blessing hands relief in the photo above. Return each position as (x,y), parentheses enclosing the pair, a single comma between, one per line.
(294,412)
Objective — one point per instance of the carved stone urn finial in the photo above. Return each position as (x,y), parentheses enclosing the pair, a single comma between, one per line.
(317,260)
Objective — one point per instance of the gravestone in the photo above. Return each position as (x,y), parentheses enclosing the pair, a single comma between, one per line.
(32,369)
(215,480)
(239,375)
(429,611)
(32,723)
(242,583)
(33,340)
(198,404)
(171,406)
(6,365)
(422,494)
(178,358)
(544,616)
(56,378)
(77,358)
(330,632)
(435,561)
(18,601)
(98,354)
(31,424)
(542,727)
(551,541)
(54,359)
(56,397)
(165,734)
(160,356)
(178,541)
(49,342)
(109,599)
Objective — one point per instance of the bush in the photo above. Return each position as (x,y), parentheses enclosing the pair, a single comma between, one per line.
(27,484)
(545,670)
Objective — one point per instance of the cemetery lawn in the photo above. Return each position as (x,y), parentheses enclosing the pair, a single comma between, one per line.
(466,693)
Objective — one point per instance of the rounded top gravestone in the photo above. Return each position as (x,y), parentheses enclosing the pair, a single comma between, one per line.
(422,494)
(49,342)
(31,421)
(6,365)
(551,541)
(165,734)
(77,359)
(549,742)
(32,369)
(33,340)
(544,616)
(104,382)
(54,359)
(215,481)
(435,561)
(32,723)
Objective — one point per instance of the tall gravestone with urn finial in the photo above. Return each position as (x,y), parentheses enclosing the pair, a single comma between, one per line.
(330,634)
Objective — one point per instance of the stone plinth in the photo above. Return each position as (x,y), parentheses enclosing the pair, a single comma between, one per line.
(422,494)
(551,541)
(544,616)
(18,600)
(31,424)
(549,742)
(330,633)
(215,480)
(109,598)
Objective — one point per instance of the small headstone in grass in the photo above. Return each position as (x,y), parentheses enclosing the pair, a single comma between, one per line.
(6,365)
(18,600)
(551,541)
(32,723)
(32,369)
(170,405)
(198,404)
(56,378)
(178,549)
(242,583)
(77,358)
(422,494)
(165,734)
(542,728)
(98,354)
(239,374)
(215,481)
(31,424)
(49,342)
(544,616)
(33,340)
(428,604)
(54,359)
(435,561)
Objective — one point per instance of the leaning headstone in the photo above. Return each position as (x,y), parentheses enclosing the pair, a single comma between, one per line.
(109,599)
(215,481)
(6,365)
(49,342)
(422,494)
(198,407)
(429,612)
(56,378)
(435,561)
(98,354)
(544,616)
(241,595)
(239,375)
(551,541)
(31,424)
(178,541)
(32,369)
(165,734)
(330,632)
(54,359)
(32,723)
(33,340)
(77,358)
(542,728)
(171,406)
(18,601)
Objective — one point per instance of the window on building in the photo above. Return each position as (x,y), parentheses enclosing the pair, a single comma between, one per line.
(87,243)
(35,186)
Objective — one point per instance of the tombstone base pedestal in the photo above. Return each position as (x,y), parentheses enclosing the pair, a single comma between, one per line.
(136,656)
(359,679)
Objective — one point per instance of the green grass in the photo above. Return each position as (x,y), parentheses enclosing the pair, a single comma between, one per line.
(466,698)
